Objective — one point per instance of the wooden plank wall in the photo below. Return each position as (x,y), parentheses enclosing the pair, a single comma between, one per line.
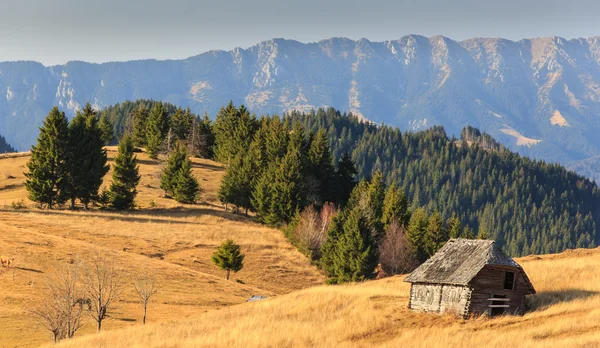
(490,280)
(440,298)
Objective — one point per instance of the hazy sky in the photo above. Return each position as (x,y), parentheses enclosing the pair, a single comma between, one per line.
(56,31)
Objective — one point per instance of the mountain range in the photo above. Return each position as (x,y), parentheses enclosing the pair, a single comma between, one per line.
(540,97)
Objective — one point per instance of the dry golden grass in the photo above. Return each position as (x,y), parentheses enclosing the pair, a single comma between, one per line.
(565,313)
(174,239)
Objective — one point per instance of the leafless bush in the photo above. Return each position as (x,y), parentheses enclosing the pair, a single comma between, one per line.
(311,231)
(145,287)
(62,305)
(396,253)
(103,285)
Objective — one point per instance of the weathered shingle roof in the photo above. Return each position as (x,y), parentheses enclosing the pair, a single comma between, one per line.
(459,261)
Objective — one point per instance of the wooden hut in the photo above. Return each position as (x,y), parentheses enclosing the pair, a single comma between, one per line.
(469,277)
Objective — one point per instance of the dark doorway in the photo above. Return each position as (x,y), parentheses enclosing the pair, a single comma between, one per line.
(497,307)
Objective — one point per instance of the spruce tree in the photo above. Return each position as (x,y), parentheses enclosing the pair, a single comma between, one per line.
(355,257)
(329,248)
(125,176)
(321,169)
(107,129)
(47,168)
(75,158)
(236,185)
(95,166)
(234,130)
(395,207)
(346,179)
(417,227)
(86,157)
(435,234)
(186,186)
(454,227)
(202,139)
(182,122)
(262,195)
(174,163)
(140,120)
(288,188)
(156,129)
(229,257)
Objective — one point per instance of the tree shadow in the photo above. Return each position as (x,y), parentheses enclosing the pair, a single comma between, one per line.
(129,320)
(145,215)
(212,167)
(29,269)
(545,299)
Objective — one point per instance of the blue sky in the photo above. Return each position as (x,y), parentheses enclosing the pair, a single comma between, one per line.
(56,31)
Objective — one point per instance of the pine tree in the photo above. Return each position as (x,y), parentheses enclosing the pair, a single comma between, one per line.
(202,138)
(86,157)
(435,234)
(321,169)
(75,158)
(288,188)
(174,163)
(125,176)
(156,129)
(186,186)
(93,167)
(229,257)
(355,257)
(47,169)
(236,185)
(417,227)
(224,129)
(262,197)
(329,248)
(468,233)
(107,129)
(395,207)
(454,227)
(140,121)
(182,122)
(346,179)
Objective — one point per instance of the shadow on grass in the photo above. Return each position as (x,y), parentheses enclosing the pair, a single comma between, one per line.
(545,299)
(129,320)
(212,167)
(29,270)
(145,215)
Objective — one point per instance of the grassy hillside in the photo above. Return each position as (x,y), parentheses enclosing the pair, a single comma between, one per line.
(565,313)
(175,240)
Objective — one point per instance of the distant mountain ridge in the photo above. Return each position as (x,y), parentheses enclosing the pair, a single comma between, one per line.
(540,97)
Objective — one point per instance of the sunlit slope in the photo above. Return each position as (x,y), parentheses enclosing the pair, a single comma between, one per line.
(565,313)
(173,239)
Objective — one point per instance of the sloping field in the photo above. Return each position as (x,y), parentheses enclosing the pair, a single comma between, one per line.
(564,313)
(173,240)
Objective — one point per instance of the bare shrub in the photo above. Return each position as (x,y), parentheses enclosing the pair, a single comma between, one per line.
(396,253)
(145,287)
(62,304)
(103,285)
(311,231)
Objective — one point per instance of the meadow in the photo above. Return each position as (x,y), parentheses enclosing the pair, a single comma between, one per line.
(197,307)
(565,312)
(175,241)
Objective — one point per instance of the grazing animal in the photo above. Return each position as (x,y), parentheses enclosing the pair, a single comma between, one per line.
(5,261)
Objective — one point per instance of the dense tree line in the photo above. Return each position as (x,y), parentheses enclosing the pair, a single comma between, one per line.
(69,162)
(4,146)
(158,126)
(527,206)
(274,168)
